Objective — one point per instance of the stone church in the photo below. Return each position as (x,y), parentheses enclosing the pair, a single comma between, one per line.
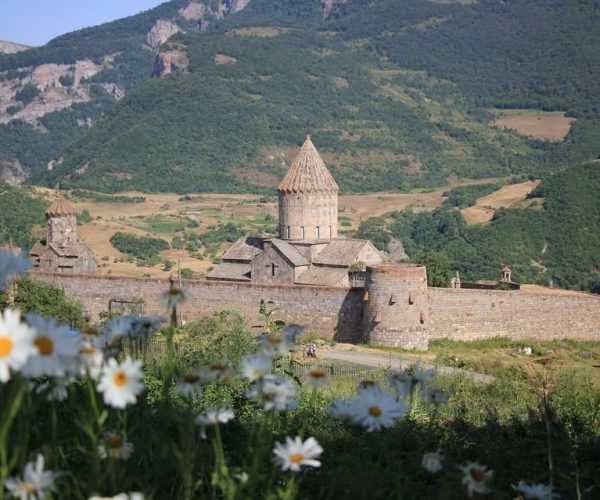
(308,250)
(62,252)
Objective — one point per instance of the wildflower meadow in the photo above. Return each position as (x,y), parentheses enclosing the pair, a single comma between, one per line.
(91,414)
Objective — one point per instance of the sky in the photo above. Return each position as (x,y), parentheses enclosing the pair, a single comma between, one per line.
(35,22)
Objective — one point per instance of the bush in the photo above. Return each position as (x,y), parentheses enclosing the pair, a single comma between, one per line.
(141,247)
(27,94)
(84,217)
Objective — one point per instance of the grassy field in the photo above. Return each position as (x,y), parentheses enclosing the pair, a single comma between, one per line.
(543,125)
(485,208)
(501,357)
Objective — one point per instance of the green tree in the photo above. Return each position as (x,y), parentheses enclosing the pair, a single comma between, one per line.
(47,301)
(438,268)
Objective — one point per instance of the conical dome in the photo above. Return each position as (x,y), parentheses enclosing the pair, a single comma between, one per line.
(308,173)
(60,208)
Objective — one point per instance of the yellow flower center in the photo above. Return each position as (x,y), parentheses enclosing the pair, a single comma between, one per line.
(267,396)
(26,488)
(174,292)
(120,379)
(87,350)
(317,373)
(273,339)
(45,345)
(91,330)
(477,475)
(375,411)
(218,368)
(113,441)
(190,378)
(296,458)
(6,346)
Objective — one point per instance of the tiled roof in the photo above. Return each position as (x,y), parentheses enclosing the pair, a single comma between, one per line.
(37,249)
(230,271)
(290,253)
(245,249)
(308,173)
(71,251)
(340,253)
(326,276)
(60,208)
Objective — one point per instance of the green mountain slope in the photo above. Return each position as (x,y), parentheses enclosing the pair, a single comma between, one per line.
(556,238)
(397,95)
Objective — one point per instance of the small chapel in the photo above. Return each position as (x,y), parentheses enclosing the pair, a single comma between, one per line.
(62,252)
(308,250)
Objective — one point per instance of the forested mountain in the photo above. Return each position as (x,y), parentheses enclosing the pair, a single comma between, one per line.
(397,93)
(554,237)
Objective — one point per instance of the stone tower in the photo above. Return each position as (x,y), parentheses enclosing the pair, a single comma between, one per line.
(396,307)
(308,198)
(61,224)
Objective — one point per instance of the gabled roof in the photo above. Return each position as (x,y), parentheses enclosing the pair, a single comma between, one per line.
(60,208)
(244,249)
(325,276)
(290,253)
(308,173)
(341,253)
(37,249)
(230,271)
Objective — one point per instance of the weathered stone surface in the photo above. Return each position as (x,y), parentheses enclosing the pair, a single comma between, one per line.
(162,30)
(166,63)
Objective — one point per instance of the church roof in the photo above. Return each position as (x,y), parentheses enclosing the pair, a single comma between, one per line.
(244,249)
(290,253)
(308,173)
(341,252)
(230,271)
(60,207)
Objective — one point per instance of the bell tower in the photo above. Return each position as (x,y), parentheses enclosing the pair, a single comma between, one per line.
(308,198)
(61,224)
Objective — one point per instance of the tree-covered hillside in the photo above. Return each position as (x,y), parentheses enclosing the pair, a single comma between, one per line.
(554,237)
(20,211)
(395,97)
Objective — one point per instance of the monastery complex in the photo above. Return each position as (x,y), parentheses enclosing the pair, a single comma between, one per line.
(334,287)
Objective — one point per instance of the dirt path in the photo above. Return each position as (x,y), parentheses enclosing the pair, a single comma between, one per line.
(380,360)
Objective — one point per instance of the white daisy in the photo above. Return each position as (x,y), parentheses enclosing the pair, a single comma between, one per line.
(401,382)
(16,343)
(11,265)
(420,376)
(90,360)
(318,377)
(274,392)
(214,372)
(294,453)
(275,345)
(56,391)
(375,408)
(190,385)
(121,496)
(173,297)
(432,461)
(476,477)
(536,491)
(121,383)
(36,482)
(57,348)
(213,416)
(340,408)
(254,367)
(437,397)
(115,446)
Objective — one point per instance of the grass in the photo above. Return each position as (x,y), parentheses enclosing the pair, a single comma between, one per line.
(499,356)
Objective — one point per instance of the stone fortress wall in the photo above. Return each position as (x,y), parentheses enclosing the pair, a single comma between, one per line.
(397,307)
